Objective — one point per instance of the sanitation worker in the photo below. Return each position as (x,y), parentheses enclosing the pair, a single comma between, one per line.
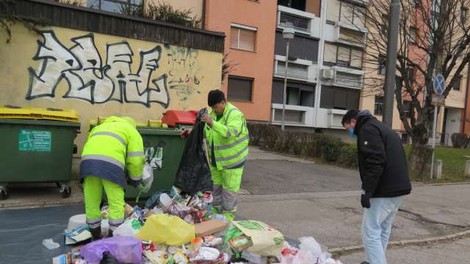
(227,136)
(112,157)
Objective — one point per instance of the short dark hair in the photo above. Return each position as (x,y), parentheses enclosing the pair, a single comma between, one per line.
(351,114)
(215,97)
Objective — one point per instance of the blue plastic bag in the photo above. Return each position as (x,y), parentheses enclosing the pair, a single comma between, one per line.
(124,249)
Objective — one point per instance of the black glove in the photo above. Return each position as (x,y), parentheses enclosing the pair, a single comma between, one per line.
(365,199)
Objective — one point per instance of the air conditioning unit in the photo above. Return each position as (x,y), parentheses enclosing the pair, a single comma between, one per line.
(327,74)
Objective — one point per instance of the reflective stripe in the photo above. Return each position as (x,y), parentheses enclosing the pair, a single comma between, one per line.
(233,156)
(228,115)
(236,142)
(105,133)
(104,158)
(236,165)
(93,223)
(138,177)
(228,133)
(135,154)
(116,222)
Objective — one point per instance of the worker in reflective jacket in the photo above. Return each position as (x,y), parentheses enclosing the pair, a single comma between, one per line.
(112,157)
(227,136)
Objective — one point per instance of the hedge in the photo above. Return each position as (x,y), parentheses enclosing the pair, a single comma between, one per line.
(309,145)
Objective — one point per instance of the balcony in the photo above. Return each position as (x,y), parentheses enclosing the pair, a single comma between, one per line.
(303,22)
(351,37)
(295,115)
(343,77)
(294,70)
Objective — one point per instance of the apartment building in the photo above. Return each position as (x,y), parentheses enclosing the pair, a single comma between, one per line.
(324,75)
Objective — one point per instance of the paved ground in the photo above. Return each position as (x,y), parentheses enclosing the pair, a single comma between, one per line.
(301,198)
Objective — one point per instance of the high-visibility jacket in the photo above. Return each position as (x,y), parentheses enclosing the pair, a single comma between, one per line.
(228,138)
(114,150)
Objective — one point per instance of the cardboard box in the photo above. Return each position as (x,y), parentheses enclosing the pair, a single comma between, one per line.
(210,227)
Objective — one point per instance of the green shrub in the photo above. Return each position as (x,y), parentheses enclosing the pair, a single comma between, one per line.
(330,148)
(348,156)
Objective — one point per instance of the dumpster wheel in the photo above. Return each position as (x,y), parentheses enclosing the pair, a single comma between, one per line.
(65,190)
(3,193)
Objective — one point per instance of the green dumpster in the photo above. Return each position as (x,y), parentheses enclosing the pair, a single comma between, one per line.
(36,151)
(170,145)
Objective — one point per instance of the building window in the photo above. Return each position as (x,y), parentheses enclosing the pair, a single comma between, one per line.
(240,88)
(339,98)
(379,105)
(352,14)
(413,35)
(242,37)
(382,60)
(342,56)
(384,24)
(416,3)
(406,109)
(463,15)
(115,6)
(458,83)
(411,73)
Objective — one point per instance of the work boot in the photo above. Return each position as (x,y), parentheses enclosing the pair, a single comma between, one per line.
(96,233)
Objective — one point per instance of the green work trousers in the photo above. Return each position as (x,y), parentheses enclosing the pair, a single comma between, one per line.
(93,192)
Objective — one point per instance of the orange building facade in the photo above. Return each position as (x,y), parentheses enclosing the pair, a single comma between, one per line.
(250,28)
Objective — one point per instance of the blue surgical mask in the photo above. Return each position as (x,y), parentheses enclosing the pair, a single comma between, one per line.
(351,132)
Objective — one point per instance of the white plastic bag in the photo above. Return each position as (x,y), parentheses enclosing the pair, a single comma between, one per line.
(129,228)
(147,177)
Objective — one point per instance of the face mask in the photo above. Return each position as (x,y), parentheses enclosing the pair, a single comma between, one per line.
(351,132)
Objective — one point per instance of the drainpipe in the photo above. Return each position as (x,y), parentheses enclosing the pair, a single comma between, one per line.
(321,48)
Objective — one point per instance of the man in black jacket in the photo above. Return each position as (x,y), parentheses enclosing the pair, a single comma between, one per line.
(384,174)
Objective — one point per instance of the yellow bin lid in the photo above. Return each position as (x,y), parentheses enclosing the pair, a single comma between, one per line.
(13,112)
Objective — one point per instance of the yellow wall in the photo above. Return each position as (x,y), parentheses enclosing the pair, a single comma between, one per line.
(171,77)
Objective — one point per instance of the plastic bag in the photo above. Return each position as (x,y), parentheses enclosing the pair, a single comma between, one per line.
(129,228)
(309,252)
(167,229)
(124,249)
(193,171)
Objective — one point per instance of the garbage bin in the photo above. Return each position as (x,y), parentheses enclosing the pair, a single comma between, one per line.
(37,147)
(169,146)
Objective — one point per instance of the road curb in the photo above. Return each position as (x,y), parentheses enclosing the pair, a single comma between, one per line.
(410,242)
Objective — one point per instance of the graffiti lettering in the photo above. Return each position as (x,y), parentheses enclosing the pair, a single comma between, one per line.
(89,79)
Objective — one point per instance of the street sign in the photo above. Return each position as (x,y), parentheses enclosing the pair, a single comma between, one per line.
(438,100)
(439,84)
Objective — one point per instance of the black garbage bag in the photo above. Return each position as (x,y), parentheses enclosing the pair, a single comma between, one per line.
(108,259)
(193,172)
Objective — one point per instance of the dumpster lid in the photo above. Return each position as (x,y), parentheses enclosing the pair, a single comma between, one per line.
(178,117)
(15,112)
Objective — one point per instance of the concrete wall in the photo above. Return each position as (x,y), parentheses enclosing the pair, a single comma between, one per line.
(85,71)
(258,65)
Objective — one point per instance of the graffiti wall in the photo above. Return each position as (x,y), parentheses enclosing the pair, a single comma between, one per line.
(100,75)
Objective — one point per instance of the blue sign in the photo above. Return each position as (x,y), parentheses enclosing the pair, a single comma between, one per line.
(439,84)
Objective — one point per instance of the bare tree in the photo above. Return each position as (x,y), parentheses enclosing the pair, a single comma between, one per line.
(433,38)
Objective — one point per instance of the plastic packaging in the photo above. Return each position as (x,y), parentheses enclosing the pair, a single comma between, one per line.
(124,249)
(167,229)
(129,228)
(50,244)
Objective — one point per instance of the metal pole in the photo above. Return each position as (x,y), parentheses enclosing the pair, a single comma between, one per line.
(391,61)
(434,124)
(284,94)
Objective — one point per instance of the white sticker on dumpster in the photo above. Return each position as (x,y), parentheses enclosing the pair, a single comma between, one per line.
(34,140)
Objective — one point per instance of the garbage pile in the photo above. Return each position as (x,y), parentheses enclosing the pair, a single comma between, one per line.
(181,229)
